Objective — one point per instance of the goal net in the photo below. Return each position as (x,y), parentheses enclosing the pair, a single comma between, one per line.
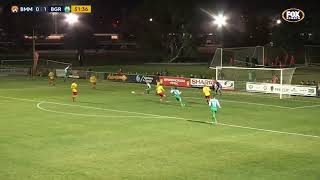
(240,56)
(312,55)
(264,80)
(17,63)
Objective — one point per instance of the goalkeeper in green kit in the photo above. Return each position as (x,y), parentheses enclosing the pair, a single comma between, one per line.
(214,106)
(66,73)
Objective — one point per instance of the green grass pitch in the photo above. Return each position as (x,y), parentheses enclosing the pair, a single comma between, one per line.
(110,133)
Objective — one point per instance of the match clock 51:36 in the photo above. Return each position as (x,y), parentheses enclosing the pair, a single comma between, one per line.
(81,8)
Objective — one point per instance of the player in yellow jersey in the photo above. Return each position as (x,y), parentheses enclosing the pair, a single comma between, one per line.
(158,83)
(207,92)
(74,90)
(51,78)
(160,92)
(93,81)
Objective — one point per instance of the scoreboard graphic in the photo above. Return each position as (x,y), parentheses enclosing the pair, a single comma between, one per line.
(52,9)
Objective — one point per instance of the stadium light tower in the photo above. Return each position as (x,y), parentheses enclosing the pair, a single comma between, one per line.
(71,18)
(54,17)
(220,20)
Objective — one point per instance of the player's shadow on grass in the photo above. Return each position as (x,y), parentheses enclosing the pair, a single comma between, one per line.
(201,122)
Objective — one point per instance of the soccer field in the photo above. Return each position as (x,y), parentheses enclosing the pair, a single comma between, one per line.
(110,133)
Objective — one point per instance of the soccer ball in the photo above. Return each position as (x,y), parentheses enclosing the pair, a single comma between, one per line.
(133,92)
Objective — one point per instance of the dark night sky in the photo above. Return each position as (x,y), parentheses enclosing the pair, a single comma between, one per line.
(114,6)
(106,11)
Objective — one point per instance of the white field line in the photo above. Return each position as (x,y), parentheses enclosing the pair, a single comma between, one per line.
(251,103)
(19,99)
(89,115)
(179,118)
(89,107)
(230,125)
(268,130)
(297,100)
(246,94)
(22,89)
(311,106)
(261,95)
(292,99)
(239,102)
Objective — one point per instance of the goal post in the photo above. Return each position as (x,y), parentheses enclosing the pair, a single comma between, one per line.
(264,80)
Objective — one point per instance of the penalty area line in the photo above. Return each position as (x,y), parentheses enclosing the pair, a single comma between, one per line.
(89,115)
(76,105)
(245,127)
(172,117)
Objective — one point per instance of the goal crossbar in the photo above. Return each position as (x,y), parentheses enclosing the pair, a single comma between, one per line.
(58,62)
(248,68)
(240,48)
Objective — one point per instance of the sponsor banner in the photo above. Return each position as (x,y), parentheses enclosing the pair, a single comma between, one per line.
(286,89)
(201,82)
(60,72)
(142,79)
(15,71)
(175,81)
(79,74)
(303,90)
(229,85)
(74,74)
(115,77)
(254,87)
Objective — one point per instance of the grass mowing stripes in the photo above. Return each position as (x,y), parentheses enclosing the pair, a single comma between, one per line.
(35,144)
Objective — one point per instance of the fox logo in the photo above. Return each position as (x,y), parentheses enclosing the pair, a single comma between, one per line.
(293,15)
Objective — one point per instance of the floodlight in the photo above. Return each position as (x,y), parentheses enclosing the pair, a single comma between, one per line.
(220,20)
(71,18)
